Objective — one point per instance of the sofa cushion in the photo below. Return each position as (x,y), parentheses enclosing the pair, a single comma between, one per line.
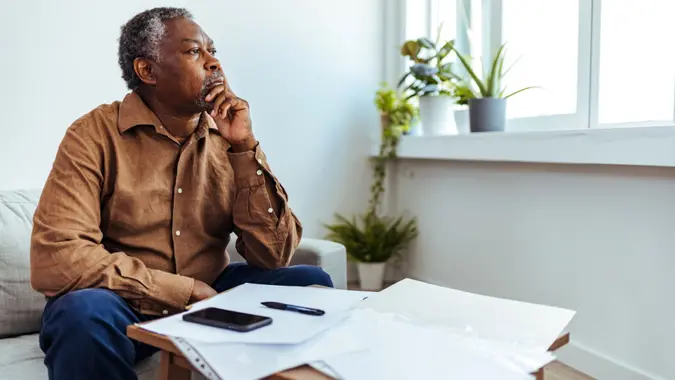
(21,358)
(20,305)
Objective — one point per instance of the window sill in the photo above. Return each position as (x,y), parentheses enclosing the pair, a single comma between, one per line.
(641,146)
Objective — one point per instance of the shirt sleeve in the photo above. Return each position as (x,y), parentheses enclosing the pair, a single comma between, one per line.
(66,252)
(265,238)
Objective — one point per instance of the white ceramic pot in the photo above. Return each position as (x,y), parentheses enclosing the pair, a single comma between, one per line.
(371,275)
(437,115)
(462,120)
(415,127)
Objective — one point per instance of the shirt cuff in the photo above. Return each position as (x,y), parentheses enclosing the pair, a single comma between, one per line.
(171,289)
(249,167)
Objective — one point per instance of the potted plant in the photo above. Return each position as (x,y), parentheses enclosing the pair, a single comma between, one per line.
(487,103)
(462,93)
(396,112)
(430,78)
(373,240)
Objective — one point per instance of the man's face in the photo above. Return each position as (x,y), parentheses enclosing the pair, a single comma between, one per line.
(188,68)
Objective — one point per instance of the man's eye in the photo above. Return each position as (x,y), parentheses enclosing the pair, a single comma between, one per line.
(194,51)
(213,51)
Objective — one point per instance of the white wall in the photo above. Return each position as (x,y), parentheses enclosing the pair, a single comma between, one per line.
(308,68)
(596,239)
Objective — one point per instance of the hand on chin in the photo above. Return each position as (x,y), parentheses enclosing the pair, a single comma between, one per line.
(232,117)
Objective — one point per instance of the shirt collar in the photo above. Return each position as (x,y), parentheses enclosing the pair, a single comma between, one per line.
(134,112)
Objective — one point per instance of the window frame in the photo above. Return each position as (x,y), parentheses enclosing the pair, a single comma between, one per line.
(588,61)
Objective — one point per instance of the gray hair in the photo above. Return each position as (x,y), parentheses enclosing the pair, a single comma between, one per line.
(140,38)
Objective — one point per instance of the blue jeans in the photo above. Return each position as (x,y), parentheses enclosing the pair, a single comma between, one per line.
(83,332)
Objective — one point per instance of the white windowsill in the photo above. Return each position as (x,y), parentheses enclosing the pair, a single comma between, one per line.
(640,146)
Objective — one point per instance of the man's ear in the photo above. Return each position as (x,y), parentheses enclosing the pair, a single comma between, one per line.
(144,70)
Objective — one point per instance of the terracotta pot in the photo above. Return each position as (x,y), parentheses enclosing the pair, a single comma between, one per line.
(384,122)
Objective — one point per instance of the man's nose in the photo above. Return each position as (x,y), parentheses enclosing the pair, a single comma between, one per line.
(213,64)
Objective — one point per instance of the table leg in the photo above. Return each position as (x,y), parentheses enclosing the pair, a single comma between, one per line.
(169,370)
(540,374)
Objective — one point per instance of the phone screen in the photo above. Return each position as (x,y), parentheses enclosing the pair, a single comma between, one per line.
(228,316)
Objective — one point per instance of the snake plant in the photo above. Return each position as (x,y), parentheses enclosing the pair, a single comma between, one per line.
(492,85)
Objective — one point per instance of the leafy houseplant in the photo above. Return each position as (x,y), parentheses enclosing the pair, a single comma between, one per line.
(372,239)
(396,113)
(487,104)
(430,73)
(431,79)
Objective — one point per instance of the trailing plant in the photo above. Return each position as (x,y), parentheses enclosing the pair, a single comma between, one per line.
(399,110)
(371,237)
(491,86)
(431,73)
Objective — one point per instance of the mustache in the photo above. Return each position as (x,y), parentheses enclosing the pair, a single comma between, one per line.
(212,79)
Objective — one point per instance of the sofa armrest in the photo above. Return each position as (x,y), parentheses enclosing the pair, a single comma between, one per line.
(328,255)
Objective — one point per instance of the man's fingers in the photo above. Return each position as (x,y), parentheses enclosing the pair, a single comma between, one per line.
(214,92)
(220,99)
(222,112)
(223,101)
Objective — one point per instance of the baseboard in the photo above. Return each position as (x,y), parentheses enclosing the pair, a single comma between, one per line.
(600,366)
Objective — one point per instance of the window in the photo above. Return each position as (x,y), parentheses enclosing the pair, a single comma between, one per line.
(547,58)
(597,63)
(636,61)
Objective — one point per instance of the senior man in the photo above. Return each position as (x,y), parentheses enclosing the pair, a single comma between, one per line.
(143,196)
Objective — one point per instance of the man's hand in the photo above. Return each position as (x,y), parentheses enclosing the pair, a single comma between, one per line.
(232,116)
(201,291)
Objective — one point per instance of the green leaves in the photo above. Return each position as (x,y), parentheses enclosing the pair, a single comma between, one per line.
(445,50)
(491,86)
(429,72)
(372,238)
(472,74)
(427,43)
(411,49)
(494,78)
(397,108)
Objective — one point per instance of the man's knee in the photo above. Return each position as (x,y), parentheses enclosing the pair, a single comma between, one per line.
(82,306)
(305,275)
(82,314)
(85,331)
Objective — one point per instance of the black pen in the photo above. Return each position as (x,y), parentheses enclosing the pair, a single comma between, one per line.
(296,308)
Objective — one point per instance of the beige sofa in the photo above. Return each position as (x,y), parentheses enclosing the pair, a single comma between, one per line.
(21,307)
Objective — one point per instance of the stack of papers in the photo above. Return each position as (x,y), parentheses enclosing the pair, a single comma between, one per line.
(409,330)
(433,331)
(405,350)
(286,328)
(520,323)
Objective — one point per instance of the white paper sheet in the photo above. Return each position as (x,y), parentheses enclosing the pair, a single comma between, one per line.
(240,361)
(287,327)
(513,322)
(405,350)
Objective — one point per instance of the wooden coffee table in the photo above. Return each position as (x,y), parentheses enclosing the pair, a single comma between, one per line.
(174,366)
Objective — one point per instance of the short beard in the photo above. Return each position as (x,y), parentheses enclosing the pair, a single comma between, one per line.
(206,89)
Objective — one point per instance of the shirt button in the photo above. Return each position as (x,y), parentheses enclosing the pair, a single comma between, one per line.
(180,191)
(177,233)
(270,210)
(165,312)
(259,172)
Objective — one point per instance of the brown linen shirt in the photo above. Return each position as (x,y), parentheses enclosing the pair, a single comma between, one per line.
(128,208)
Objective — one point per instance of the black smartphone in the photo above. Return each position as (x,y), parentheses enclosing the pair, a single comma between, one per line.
(227,319)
